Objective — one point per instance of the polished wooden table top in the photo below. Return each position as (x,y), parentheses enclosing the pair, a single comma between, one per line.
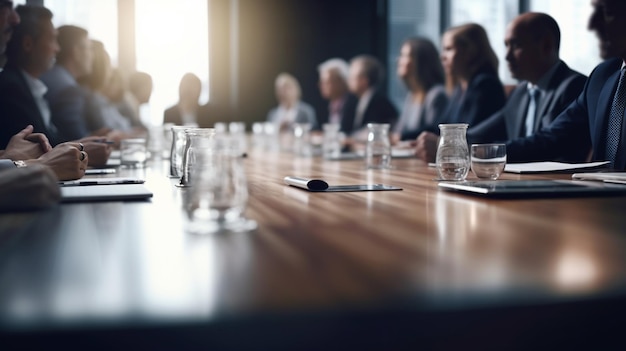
(416,250)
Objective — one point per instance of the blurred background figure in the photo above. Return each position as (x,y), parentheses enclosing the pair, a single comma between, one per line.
(333,85)
(290,108)
(371,106)
(140,87)
(116,90)
(185,112)
(471,68)
(419,67)
(99,111)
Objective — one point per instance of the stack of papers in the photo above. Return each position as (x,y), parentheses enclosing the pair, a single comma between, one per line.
(540,167)
(609,177)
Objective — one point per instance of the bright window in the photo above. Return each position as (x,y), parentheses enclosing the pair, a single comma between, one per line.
(494,15)
(98,17)
(579,46)
(172,39)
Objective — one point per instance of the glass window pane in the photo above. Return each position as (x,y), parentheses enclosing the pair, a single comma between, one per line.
(579,46)
(494,15)
(99,17)
(172,39)
(408,18)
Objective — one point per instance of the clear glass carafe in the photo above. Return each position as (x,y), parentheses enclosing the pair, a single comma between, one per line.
(453,160)
(197,140)
(177,151)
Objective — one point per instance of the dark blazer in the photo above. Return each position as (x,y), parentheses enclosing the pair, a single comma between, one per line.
(18,107)
(379,110)
(349,104)
(580,127)
(484,96)
(509,123)
(172,115)
(67,102)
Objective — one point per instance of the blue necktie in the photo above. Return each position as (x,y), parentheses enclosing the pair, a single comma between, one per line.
(532,110)
(614,128)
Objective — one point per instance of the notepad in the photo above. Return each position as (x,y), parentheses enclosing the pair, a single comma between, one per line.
(534,188)
(119,192)
(608,177)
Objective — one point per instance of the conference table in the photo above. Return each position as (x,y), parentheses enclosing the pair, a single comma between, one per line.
(373,270)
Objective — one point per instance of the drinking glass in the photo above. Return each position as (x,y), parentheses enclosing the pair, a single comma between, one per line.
(331,146)
(217,191)
(378,148)
(237,131)
(453,160)
(197,140)
(488,160)
(302,139)
(133,152)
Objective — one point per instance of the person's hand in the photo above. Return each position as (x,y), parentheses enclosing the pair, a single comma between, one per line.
(66,160)
(98,152)
(28,188)
(395,138)
(426,146)
(27,145)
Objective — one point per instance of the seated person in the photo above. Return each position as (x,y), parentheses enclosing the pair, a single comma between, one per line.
(30,53)
(185,112)
(99,110)
(333,85)
(419,67)
(471,68)
(290,108)
(532,41)
(371,105)
(140,88)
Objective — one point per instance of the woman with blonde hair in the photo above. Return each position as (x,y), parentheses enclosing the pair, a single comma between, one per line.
(290,108)
(471,68)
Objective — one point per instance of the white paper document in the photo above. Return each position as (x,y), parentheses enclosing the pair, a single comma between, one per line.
(609,177)
(539,167)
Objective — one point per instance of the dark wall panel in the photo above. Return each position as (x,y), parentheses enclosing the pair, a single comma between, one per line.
(295,36)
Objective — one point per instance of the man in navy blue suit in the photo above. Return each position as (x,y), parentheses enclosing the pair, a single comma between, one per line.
(595,120)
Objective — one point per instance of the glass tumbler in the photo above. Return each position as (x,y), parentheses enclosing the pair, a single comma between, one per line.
(378,148)
(217,191)
(331,147)
(488,160)
(453,160)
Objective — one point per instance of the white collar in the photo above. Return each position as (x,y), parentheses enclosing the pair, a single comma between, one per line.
(36,86)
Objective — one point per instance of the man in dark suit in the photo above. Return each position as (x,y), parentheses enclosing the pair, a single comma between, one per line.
(185,112)
(29,54)
(371,106)
(595,120)
(547,86)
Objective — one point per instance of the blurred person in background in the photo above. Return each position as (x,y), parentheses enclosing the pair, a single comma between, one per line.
(419,67)
(333,85)
(365,78)
(185,112)
(291,109)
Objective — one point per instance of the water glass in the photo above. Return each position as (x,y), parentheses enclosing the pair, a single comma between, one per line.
(217,191)
(453,159)
(331,147)
(237,131)
(488,160)
(302,139)
(378,148)
(133,152)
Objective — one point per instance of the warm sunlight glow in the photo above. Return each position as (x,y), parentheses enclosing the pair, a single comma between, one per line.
(98,17)
(172,39)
